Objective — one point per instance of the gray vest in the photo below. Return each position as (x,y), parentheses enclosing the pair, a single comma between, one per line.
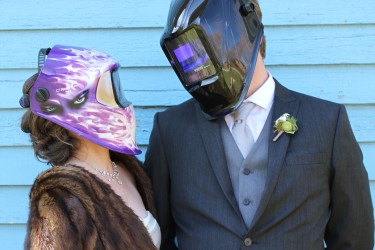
(248,175)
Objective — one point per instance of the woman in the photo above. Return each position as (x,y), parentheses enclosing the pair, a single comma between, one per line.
(96,196)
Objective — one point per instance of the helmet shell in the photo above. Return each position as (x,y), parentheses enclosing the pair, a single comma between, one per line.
(213,46)
(65,93)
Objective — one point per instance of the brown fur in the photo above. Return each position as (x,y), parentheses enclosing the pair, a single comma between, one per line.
(71,208)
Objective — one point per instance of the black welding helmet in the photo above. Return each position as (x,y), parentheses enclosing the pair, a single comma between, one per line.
(213,46)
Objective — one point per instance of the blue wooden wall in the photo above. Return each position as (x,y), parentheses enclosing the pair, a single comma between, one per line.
(323,48)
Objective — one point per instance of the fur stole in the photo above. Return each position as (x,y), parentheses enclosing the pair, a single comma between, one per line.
(71,208)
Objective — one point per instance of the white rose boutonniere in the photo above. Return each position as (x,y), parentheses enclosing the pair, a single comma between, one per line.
(285,124)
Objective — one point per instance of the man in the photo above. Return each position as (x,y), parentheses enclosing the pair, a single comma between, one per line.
(303,187)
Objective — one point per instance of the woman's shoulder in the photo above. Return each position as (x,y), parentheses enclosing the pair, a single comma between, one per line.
(55,174)
(56,209)
(64,181)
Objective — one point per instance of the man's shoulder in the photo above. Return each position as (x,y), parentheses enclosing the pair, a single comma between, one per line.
(307,100)
(178,117)
(183,109)
(315,105)
(313,99)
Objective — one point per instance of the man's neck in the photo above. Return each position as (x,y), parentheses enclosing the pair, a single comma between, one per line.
(260,76)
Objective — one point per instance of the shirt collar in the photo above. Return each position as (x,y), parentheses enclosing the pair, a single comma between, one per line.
(263,97)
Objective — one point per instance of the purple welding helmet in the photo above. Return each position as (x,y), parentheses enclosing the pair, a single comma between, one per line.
(80,90)
(213,46)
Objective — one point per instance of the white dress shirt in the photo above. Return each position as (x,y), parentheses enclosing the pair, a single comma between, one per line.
(263,99)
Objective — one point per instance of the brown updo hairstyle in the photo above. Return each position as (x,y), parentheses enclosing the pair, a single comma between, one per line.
(50,141)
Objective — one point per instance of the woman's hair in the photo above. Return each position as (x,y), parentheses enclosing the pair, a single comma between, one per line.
(50,141)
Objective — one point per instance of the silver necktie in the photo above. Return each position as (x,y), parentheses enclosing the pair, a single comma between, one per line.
(241,132)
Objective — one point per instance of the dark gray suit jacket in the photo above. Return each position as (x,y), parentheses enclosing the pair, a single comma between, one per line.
(316,190)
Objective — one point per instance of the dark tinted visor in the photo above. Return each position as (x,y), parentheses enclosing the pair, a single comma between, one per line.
(224,96)
(190,57)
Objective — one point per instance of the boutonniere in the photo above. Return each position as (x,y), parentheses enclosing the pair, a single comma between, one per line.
(285,124)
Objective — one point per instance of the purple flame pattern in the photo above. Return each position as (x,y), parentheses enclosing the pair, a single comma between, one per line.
(71,75)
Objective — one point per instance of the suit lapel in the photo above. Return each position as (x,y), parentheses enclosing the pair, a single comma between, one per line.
(284,102)
(211,136)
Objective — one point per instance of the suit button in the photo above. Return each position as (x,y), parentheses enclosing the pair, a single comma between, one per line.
(246,202)
(248,242)
(246,171)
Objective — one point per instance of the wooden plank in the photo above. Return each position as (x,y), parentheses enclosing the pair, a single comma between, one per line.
(11,134)
(320,45)
(362,119)
(26,165)
(87,14)
(347,84)
(368,151)
(84,14)
(132,47)
(12,236)
(18,213)
(296,12)
(13,91)
(372,190)
(150,86)
(306,45)
(14,204)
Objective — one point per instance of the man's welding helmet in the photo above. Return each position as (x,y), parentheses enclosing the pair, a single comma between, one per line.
(80,90)
(213,46)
